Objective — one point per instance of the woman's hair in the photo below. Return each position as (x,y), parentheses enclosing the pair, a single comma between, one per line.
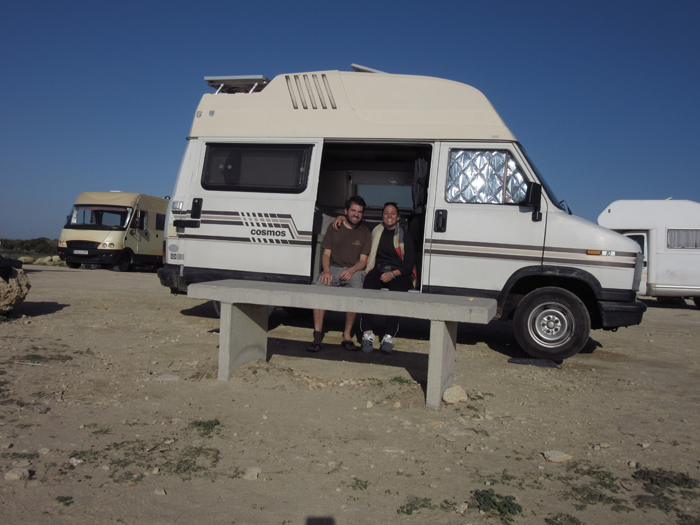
(391,204)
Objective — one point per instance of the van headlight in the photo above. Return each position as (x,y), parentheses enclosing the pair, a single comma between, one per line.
(62,243)
(108,245)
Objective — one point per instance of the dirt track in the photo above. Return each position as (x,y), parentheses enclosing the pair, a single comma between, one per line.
(108,398)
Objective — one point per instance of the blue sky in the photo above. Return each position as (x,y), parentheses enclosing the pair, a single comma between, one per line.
(99,96)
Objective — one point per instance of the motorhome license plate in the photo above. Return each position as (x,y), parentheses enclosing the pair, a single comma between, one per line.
(80,252)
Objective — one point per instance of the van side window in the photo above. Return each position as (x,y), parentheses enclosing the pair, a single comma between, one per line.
(280,168)
(484,177)
(676,238)
(160,222)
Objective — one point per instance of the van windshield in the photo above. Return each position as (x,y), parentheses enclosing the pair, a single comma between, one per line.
(558,203)
(98,217)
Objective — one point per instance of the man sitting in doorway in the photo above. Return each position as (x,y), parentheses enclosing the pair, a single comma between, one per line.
(343,260)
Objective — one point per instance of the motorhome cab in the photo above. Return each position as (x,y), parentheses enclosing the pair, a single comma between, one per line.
(668,232)
(269,162)
(115,229)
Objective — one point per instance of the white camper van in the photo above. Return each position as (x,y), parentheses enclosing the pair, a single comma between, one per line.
(269,162)
(668,233)
(114,229)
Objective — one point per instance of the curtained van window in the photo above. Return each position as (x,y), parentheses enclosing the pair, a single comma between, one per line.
(684,239)
(277,168)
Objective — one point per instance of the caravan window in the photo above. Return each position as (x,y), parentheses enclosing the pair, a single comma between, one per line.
(484,177)
(683,238)
(281,168)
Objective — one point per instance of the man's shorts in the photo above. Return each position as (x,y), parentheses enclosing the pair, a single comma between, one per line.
(356,281)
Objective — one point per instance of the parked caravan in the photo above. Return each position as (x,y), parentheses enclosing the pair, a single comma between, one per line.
(269,163)
(668,232)
(114,229)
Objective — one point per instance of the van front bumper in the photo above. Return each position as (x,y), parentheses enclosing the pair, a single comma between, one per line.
(616,314)
(106,257)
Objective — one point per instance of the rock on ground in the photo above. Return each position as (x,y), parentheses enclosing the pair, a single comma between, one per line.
(14,291)
(454,395)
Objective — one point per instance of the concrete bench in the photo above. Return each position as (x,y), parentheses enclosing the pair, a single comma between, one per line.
(245,307)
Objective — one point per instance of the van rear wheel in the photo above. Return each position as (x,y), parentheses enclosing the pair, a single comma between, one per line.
(551,323)
(73,265)
(696,300)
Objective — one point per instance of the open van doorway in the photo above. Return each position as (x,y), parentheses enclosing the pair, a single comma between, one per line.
(379,173)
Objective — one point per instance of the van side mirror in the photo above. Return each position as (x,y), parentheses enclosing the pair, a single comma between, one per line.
(137,223)
(533,197)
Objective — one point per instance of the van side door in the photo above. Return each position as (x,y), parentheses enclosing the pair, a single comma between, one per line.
(247,211)
(477,235)
(640,237)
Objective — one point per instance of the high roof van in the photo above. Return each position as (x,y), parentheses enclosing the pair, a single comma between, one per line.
(269,163)
(115,229)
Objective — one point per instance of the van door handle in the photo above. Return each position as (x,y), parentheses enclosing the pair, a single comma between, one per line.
(196,208)
(440,221)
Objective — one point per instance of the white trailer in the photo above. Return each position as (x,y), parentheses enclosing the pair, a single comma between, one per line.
(267,161)
(668,232)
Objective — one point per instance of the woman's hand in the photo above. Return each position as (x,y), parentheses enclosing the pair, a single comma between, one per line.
(338,222)
(388,276)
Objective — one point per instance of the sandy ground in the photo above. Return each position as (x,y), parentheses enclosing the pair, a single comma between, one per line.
(109,399)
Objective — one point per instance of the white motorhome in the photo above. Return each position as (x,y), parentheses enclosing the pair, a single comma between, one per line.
(114,229)
(668,232)
(267,162)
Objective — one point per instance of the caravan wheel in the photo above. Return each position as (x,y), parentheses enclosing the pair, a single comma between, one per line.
(551,323)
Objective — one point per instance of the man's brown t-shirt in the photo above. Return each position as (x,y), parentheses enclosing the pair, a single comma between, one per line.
(346,245)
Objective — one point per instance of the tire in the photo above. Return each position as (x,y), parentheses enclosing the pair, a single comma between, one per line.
(73,265)
(123,263)
(696,300)
(551,323)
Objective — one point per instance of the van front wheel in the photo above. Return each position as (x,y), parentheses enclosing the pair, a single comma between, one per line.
(551,323)
(123,263)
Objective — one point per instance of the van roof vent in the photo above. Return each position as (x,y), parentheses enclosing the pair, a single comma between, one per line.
(238,84)
(310,91)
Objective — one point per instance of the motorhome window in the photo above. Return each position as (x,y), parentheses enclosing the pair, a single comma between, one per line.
(683,239)
(160,222)
(484,177)
(280,168)
(376,195)
(97,217)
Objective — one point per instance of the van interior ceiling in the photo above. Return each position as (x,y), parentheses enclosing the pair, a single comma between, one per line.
(379,173)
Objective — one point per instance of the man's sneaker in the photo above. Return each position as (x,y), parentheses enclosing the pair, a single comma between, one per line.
(387,344)
(368,342)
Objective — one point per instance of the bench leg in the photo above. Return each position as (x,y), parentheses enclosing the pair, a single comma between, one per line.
(441,361)
(242,336)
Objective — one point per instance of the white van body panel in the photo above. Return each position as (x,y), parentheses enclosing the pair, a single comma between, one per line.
(574,242)
(671,270)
